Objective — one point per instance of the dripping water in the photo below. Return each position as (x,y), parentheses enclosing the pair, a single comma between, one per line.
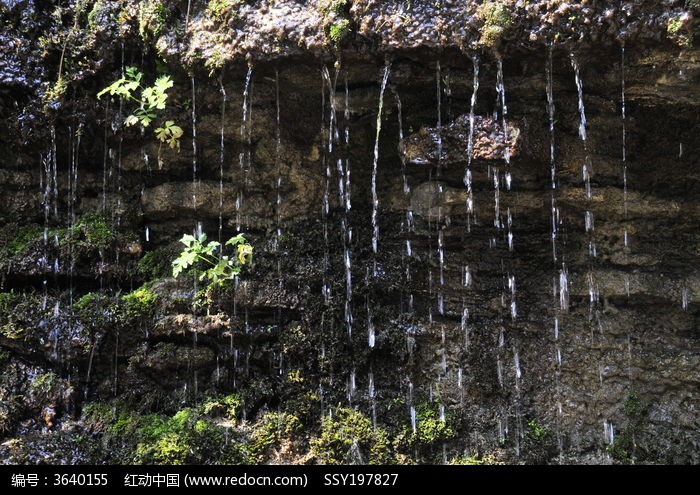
(375,163)
(408,225)
(222,157)
(278,187)
(470,143)
(244,157)
(552,162)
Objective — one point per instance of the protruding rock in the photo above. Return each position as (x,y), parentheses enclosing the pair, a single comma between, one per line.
(450,144)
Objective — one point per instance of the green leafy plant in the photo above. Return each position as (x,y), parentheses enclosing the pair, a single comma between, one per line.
(151,100)
(208,260)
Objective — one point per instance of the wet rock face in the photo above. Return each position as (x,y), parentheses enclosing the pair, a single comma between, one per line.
(547,324)
(450,144)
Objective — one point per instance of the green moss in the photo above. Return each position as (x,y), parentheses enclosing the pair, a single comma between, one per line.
(632,406)
(674,25)
(226,405)
(465,460)
(496,17)
(44,383)
(153,17)
(338,30)
(91,234)
(536,431)
(185,437)
(10,331)
(426,441)
(13,317)
(336,7)
(348,437)
(95,231)
(140,302)
(224,10)
(21,242)
(96,15)
(157,263)
(271,432)
(96,310)
(336,23)
(624,448)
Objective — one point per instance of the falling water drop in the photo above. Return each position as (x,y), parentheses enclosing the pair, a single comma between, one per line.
(564,288)
(352,386)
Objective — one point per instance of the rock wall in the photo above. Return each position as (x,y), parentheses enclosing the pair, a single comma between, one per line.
(553,320)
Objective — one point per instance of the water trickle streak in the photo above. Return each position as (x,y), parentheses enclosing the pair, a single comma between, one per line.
(501,91)
(511,287)
(588,221)
(509,222)
(552,162)
(246,131)
(608,432)
(563,289)
(371,394)
(408,224)
(278,187)
(592,290)
(470,142)
(333,138)
(352,386)
(684,299)
(54,171)
(370,327)
(346,133)
(375,163)
(464,325)
(581,109)
(74,138)
(117,213)
(496,198)
(467,277)
(438,87)
(105,156)
(441,280)
(194,145)
(222,157)
(624,145)
(586,168)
